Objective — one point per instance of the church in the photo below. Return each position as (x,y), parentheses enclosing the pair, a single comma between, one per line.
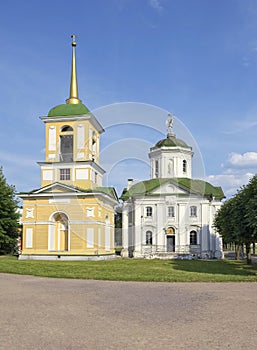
(171,214)
(71,215)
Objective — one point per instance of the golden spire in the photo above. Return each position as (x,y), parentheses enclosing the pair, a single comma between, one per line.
(74,96)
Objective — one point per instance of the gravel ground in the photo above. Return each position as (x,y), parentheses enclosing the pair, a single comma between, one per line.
(42,313)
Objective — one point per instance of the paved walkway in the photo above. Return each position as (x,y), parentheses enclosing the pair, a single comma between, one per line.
(41,313)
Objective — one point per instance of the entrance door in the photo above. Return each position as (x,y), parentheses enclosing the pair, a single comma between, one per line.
(61,235)
(58,233)
(171,243)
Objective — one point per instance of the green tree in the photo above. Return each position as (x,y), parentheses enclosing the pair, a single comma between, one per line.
(226,223)
(8,217)
(251,205)
(118,226)
(236,221)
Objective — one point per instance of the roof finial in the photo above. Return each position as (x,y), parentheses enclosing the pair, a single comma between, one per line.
(74,96)
(169,122)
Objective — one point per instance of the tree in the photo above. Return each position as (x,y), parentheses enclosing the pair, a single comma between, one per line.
(8,217)
(228,225)
(236,221)
(118,227)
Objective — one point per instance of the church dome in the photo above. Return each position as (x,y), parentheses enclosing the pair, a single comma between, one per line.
(171,141)
(68,109)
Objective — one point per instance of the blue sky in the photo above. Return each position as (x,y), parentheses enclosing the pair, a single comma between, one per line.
(196,58)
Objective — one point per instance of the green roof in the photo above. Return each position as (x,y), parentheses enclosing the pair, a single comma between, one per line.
(110,191)
(171,141)
(198,187)
(68,109)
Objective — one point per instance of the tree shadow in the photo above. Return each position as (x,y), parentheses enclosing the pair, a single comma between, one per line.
(216,267)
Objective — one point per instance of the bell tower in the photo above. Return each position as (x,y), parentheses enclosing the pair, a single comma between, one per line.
(72,143)
(71,215)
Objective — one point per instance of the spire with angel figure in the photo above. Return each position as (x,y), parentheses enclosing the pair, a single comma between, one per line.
(169,123)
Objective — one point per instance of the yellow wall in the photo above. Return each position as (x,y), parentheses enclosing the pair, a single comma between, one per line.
(85,151)
(74,124)
(72,224)
(37,214)
(87,183)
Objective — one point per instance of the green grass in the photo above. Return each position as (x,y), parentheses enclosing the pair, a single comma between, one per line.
(136,270)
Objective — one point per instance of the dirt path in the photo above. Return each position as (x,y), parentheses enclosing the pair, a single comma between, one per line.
(41,313)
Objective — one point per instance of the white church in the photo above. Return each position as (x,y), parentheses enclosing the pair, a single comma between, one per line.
(171,215)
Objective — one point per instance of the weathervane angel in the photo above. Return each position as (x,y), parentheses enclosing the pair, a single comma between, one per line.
(169,122)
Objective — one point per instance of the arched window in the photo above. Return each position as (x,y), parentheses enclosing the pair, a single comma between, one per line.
(149,211)
(66,144)
(193,238)
(66,128)
(149,238)
(184,166)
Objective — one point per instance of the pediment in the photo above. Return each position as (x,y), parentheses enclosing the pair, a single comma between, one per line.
(56,188)
(169,187)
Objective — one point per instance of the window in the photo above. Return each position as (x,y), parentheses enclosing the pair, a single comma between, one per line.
(64,174)
(66,148)
(193,211)
(149,211)
(171,212)
(184,166)
(95,177)
(193,238)
(66,128)
(149,238)
(156,168)
(94,141)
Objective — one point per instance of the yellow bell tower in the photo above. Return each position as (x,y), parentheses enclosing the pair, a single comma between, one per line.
(71,214)
(72,141)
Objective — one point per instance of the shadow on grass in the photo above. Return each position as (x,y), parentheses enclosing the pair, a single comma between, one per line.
(221,267)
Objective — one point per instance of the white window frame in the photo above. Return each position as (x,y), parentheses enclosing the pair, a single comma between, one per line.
(149,211)
(171,211)
(193,211)
(149,237)
(193,232)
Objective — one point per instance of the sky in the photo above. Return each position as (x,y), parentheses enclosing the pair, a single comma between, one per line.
(137,60)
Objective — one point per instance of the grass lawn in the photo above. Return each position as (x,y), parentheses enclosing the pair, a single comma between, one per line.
(136,270)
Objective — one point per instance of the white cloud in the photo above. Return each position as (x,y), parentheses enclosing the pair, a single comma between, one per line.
(230,183)
(245,160)
(156,4)
(237,171)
